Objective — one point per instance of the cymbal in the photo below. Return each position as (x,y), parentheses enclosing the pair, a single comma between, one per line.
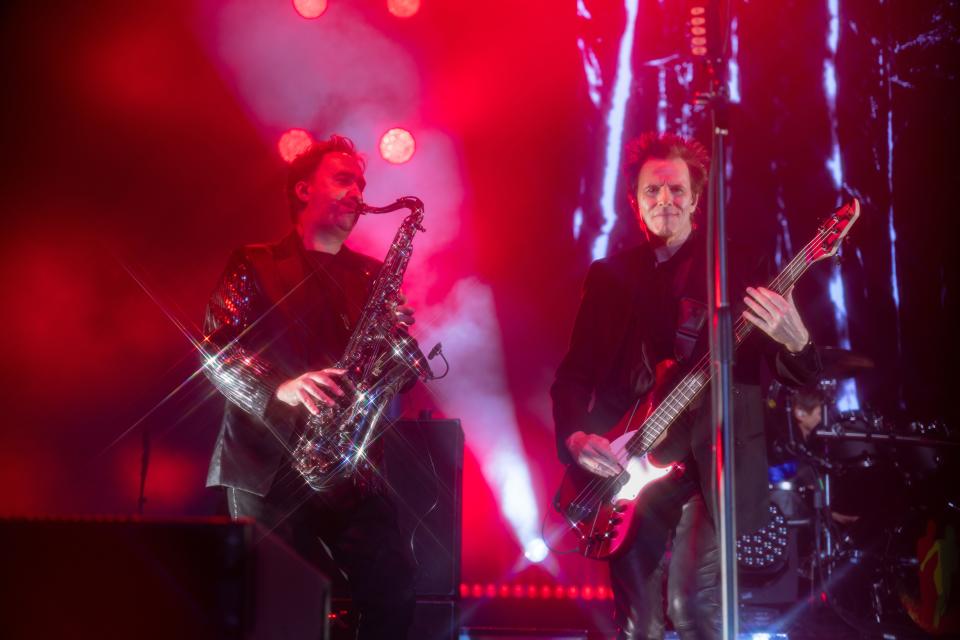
(843,363)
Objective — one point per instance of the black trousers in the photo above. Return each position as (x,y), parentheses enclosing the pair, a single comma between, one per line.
(675,515)
(359,532)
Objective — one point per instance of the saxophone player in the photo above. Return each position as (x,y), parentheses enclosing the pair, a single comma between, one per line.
(277,321)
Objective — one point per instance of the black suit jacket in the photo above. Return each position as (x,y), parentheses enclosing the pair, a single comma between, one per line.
(608,366)
(256,337)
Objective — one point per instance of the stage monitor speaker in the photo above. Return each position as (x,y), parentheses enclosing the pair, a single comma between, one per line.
(780,587)
(424,469)
(122,578)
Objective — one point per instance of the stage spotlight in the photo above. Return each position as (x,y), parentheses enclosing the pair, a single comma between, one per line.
(310,8)
(536,550)
(698,30)
(397,146)
(292,143)
(403,8)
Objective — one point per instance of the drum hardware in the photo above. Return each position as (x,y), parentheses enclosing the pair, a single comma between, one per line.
(878,571)
(835,433)
(842,363)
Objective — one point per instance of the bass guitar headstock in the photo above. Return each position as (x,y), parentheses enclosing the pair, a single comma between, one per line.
(832,232)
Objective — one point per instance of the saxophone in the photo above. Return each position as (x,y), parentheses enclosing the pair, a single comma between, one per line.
(380,360)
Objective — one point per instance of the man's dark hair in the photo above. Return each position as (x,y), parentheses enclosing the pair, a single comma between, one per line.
(307,162)
(666,146)
(808,398)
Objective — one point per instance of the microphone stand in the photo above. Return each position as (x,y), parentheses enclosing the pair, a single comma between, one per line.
(144,465)
(721,333)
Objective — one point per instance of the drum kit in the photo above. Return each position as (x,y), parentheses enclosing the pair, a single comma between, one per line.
(876,508)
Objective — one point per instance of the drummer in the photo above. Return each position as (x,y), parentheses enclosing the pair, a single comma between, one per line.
(807,414)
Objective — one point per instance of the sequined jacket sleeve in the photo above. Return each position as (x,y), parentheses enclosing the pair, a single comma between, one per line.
(236,369)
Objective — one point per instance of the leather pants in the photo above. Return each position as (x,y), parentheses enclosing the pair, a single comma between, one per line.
(358,532)
(692,566)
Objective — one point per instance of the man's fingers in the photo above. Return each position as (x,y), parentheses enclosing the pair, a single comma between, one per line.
(597,466)
(307,401)
(772,298)
(315,391)
(758,310)
(404,314)
(759,323)
(325,380)
(604,457)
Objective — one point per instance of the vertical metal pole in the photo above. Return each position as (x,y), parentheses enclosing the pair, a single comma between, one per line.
(721,340)
(721,349)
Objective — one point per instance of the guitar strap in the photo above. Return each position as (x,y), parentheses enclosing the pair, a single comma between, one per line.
(691,313)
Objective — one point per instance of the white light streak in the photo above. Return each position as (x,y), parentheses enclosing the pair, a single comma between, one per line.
(784,242)
(618,108)
(577,223)
(591,69)
(582,10)
(833,37)
(733,67)
(467,325)
(835,165)
(847,398)
(892,230)
(662,100)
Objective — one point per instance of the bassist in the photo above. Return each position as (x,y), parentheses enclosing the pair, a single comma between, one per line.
(641,311)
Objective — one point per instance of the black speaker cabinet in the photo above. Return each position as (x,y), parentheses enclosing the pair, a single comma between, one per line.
(122,578)
(435,620)
(424,469)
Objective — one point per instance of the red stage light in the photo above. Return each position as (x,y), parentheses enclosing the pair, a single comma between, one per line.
(403,8)
(397,146)
(532,591)
(293,143)
(697,11)
(310,8)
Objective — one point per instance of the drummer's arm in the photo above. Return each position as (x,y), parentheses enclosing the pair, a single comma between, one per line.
(843,518)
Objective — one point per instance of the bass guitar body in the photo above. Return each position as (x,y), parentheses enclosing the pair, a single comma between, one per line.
(602,512)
